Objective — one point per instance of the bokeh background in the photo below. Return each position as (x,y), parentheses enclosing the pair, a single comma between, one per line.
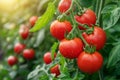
(14,13)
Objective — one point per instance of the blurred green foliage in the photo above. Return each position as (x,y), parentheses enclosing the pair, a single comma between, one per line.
(41,41)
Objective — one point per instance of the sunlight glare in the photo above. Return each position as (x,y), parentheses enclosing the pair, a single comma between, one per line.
(7,5)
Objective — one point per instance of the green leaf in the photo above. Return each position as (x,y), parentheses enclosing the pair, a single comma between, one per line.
(54,48)
(114,56)
(63,64)
(110,78)
(45,18)
(109,8)
(43,77)
(34,73)
(85,3)
(117,69)
(40,38)
(113,18)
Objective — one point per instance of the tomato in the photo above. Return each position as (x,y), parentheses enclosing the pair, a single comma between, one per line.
(55,70)
(12,60)
(24,31)
(71,48)
(59,29)
(64,5)
(97,38)
(28,54)
(18,48)
(33,20)
(90,62)
(47,57)
(88,17)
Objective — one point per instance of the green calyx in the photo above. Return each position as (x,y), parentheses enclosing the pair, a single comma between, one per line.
(73,33)
(90,49)
(81,11)
(61,18)
(89,30)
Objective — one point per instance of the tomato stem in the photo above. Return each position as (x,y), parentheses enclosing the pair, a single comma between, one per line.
(76,75)
(99,5)
(88,48)
(74,26)
(76,2)
(86,44)
(100,76)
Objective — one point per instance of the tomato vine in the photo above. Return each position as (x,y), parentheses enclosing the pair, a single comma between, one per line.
(72,40)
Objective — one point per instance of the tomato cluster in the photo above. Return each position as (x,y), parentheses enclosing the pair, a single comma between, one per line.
(20,47)
(80,43)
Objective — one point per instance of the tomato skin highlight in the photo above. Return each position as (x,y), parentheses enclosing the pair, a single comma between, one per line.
(18,48)
(89,18)
(28,54)
(64,5)
(59,29)
(47,57)
(33,20)
(90,63)
(55,70)
(97,38)
(71,48)
(12,60)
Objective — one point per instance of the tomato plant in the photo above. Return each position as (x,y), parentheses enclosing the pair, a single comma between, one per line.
(24,31)
(18,48)
(55,70)
(88,17)
(71,48)
(79,42)
(28,54)
(12,60)
(97,38)
(48,58)
(58,29)
(33,20)
(90,62)
(64,5)
(81,38)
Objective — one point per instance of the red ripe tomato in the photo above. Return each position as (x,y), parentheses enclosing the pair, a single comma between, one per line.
(90,62)
(88,18)
(24,32)
(18,48)
(47,57)
(64,5)
(71,48)
(33,20)
(59,29)
(28,54)
(55,70)
(97,38)
(12,60)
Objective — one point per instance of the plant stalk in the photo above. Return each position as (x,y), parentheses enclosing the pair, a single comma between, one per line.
(101,3)
(100,76)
